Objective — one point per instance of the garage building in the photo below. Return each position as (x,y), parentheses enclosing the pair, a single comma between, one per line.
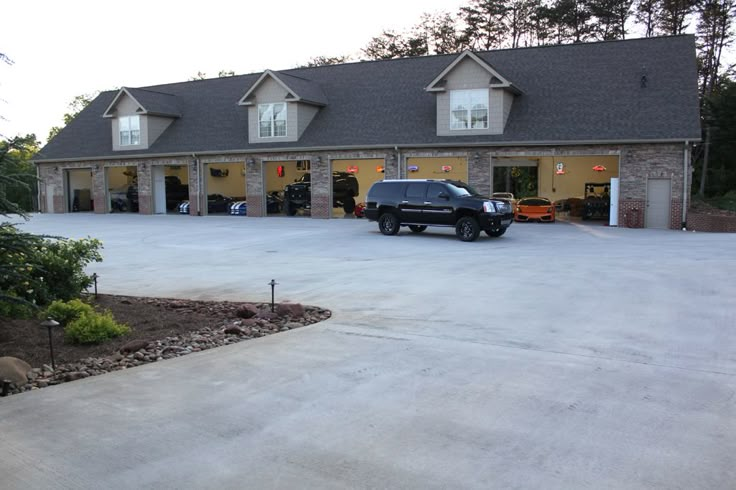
(548,121)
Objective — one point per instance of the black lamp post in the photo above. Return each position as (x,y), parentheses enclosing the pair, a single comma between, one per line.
(273,284)
(94,279)
(50,323)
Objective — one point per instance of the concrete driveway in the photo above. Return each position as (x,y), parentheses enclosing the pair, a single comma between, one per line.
(559,356)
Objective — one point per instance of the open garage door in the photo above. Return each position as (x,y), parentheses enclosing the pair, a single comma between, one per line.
(351,180)
(579,186)
(290,177)
(224,185)
(122,189)
(79,190)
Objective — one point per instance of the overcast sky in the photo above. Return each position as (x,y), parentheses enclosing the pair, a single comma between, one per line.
(64,48)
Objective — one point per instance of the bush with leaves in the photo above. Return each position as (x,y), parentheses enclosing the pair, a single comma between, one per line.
(93,328)
(66,312)
(36,270)
(82,324)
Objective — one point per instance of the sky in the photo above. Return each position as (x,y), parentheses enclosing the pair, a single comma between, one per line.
(62,49)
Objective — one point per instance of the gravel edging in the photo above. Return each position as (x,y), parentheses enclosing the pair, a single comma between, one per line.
(137,353)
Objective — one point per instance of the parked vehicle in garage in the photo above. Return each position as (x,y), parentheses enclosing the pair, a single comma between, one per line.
(597,201)
(240,207)
(535,209)
(299,194)
(216,203)
(419,203)
(176,192)
(507,196)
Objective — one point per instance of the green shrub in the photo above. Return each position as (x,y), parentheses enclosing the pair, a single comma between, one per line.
(94,328)
(67,312)
(36,270)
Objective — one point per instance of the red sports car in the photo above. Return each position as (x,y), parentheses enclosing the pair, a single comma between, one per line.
(535,209)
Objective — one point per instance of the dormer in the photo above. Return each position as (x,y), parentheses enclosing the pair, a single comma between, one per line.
(281,106)
(473,98)
(139,117)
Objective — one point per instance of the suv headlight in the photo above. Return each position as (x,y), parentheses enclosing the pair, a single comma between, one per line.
(488,207)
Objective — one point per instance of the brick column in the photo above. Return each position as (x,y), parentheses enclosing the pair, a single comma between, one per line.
(320,188)
(99,192)
(145,196)
(479,171)
(254,187)
(391,166)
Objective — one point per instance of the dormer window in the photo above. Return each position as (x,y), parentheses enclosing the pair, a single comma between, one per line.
(469,109)
(272,120)
(130,130)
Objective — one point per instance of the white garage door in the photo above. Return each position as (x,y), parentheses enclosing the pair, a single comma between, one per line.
(658,203)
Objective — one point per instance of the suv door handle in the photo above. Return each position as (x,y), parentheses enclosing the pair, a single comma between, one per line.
(404,202)
(427,202)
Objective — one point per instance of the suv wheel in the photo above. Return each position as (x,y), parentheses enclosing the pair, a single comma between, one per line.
(388,223)
(290,208)
(467,229)
(417,228)
(496,232)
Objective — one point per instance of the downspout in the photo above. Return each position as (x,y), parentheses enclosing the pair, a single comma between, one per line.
(398,161)
(685,179)
(199,199)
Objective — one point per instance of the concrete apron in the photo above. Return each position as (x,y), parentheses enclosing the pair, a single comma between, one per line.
(558,356)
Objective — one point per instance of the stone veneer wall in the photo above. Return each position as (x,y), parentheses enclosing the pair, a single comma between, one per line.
(637,164)
(711,223)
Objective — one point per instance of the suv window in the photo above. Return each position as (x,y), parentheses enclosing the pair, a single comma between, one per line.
(416,189)
(435,190)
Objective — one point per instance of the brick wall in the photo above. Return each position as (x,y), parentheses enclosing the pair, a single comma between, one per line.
(710,223)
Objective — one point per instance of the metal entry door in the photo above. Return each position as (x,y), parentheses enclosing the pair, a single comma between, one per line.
(659,192)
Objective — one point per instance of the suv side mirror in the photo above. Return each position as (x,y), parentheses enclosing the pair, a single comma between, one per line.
(443,195)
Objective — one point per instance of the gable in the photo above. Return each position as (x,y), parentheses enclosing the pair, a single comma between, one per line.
(471,65)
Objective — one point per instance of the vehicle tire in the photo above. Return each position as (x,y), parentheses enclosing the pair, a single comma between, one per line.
(417,228)
(496,232)
(388,223)
(290,208)
(467,229)
(349,205)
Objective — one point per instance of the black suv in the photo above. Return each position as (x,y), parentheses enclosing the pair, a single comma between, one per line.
(421,203)
(344,190)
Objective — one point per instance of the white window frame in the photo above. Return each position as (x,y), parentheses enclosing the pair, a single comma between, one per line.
(270,123)
(469,109)
(129,130)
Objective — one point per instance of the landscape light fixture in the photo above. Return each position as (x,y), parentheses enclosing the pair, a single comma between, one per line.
(273,284)
(49,324)
(94,280)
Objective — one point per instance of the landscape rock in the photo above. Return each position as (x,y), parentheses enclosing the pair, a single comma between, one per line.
(293,310)
(234,331)
(14,370)
(246,311)
(134,346)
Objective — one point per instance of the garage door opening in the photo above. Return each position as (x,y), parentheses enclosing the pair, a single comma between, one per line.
(122,189)
(224,185)
(79,190)
(351,180)
(288,187)
(579,186)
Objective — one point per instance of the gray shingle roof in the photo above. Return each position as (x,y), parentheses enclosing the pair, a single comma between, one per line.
(157,103)
(571,93)
(306,90)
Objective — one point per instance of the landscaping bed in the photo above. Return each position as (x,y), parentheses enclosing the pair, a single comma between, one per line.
(160,329)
